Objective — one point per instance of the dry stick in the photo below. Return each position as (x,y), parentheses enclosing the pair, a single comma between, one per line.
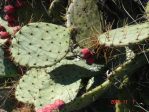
(126,68)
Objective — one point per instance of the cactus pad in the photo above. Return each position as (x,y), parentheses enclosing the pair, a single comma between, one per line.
(7,68)
(40,88)
(40,44)
(44,86)
(85,17)
(126,35)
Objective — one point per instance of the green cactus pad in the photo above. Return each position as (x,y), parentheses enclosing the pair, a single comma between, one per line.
(40,44)
(44,86)
(7,68)
(40,88)
(126,35)
(85,17)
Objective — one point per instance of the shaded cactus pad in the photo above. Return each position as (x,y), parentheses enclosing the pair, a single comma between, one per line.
(7,68)
(40,44)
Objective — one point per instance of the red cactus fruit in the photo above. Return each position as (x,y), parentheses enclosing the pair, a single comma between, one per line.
(9,17)
(86,53)
(59,103)
(2,28)
(90,60)
(9,9)
(51,107)
(4,35)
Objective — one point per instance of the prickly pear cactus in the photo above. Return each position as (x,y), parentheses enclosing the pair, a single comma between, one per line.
(83,15)
(40,44)
(7,68)
(44,86)
(124,36)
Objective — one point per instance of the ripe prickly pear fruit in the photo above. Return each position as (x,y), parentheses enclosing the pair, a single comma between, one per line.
(90,60)
(51,107)
(9,17)
(86,53)
(9,9)
(4,35)
(59,103)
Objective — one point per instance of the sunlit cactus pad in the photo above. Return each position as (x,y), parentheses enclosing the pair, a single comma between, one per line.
(40,44)
(124,36)
(44,86)
(85,17)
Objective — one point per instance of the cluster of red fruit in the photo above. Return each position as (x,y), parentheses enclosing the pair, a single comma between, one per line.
(9,11)
(88,55)
(3,33)
(57,105)
(10,18)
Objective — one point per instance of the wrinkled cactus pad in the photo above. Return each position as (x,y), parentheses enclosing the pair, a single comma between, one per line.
(40,44)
